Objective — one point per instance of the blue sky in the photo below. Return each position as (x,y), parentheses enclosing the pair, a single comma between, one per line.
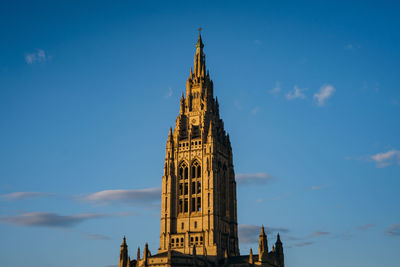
(308,91)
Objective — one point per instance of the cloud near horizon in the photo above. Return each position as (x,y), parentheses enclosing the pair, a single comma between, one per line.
(24,195)
(393,230)
(138,196)
(319,233)
(48,219)
(96,236)
(253,178)
(324,93)
(365,227)
(303,244)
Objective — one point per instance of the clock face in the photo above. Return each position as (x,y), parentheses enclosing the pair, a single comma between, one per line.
(195,120)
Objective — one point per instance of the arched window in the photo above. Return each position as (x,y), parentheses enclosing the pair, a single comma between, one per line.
(196,169)
(196,186)
(183,187)
(183,171)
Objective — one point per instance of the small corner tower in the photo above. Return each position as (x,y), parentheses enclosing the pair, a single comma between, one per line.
(262,246)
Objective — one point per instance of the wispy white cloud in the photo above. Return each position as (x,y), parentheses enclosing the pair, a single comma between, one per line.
(324,93)
(138,196)
(24,195)
(393,230)
(253,178)
(276,90)
(296,93)
(385,159)
(39,56)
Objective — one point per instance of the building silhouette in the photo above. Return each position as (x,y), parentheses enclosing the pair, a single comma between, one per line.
(198,201)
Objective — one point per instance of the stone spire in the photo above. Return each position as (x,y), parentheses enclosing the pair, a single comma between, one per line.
(123,254)
(182,105)
(251,257)
(262,246)
(279,251)
(199,58)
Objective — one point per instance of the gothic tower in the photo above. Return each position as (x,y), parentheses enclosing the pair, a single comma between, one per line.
(198,204)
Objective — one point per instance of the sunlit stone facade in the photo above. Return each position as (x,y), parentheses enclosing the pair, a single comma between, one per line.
(198,200)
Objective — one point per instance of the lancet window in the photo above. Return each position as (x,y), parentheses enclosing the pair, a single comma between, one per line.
(183,188)
(196,186)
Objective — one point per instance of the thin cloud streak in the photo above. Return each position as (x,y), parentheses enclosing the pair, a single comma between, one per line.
(253,178)
(393,230)
(303,244)
(320,233)
(139,196)
(24,195)
(365,227)
(317,187)
(47,219)
(97,237)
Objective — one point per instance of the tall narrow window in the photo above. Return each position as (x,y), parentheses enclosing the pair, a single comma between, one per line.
(185,205)
(198,208)
(193,204)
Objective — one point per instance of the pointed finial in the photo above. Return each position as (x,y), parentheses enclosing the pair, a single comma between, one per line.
(262,230)
(251,256)
(278,238)
(210,129)
(199,41)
